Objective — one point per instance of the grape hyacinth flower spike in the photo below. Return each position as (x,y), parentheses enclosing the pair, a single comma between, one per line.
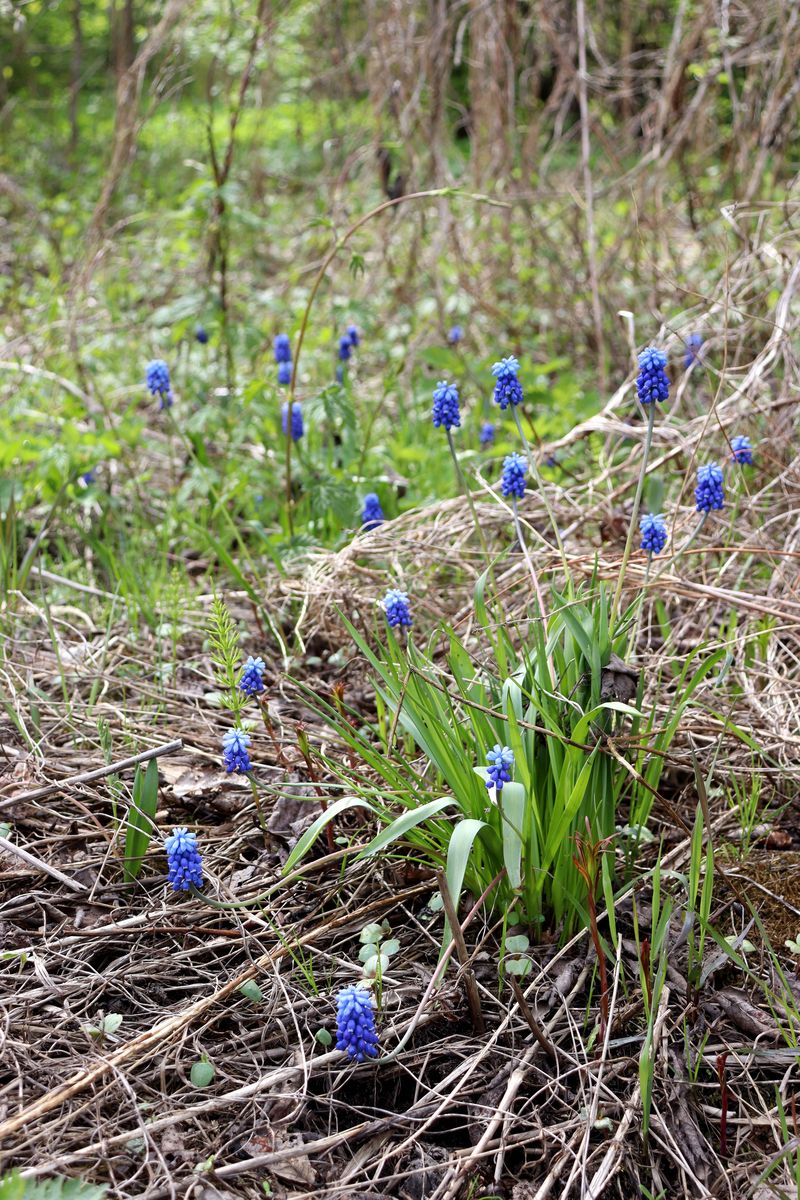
(455,335)
(234,751)
(252,681)
(742,451)
(507,388)
(353,335)
(398,613)
(372,513)
(284,373)
(345,348)
(158,382)
(201,335)
(297,419)
(512,482)
(501,764)
(446,413)
(654,533)
(709,493)
(282,348)
(652,383)
(487,433)
(693,343)
(355,1024)
(184,862)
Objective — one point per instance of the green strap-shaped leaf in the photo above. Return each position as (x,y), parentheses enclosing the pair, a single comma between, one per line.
(409,820)
(141,813)
(458,852)
(313,831)
(511,803)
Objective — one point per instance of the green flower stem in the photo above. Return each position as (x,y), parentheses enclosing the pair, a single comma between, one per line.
(682,549)
(534,578)
(637,501)
(261,820)
(635,633)
(468,494)
(533,467)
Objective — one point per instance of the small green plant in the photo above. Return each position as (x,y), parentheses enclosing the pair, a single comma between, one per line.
(141,814)
(202,1072)
(377,948)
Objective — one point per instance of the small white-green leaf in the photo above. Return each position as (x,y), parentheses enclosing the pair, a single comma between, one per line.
(112,1022)
(390,947)
(371,934)
(519,966)
(202,1073)
(372,964)
(518,943)
(323,1037)
(251,991)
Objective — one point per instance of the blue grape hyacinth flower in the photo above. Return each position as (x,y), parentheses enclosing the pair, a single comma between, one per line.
(284,373)
(90,476)
(297,419)
(652,383)
(445,412)
(487,433)
(455,335)
(184,862)
(372,513)
(709,493)
(234,751)
(507,388)
(512,482)
(654,533)
(201,335)
(282,348)
(742,450)
(158,382)
(345,348)
(353,334)
(398,613)
(355,1024)
(252,681)
(501,764)
(693,343)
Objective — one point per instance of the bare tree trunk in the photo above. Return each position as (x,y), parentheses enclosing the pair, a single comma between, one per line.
(76,66)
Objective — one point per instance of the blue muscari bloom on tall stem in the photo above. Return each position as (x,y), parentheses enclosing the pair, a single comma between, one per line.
(654,533)
(234,751)
(284,373)
(345,348)
(652,383)
(283,348)
(507,388)
(201,335)
(184,863)
(355,1024)
(157,376)
(709,493)
(446,414)
(297,419)
(487,433)
(512,482)
(693,343)
(352,334)
(455,335)
(252,681)
(742,451)
(395,605)
(501,764)
(372,513)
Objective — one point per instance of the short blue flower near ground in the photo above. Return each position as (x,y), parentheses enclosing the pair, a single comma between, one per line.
(355,1024)
(90,476)
(284,373)
(709,493)
(282,348)
(455,335)
(501,764)
(201,335)
(652,383)
(252,681)
(742,450)
(184,862)
(372,513)
(512,481)
(234,751)
(297,419)
(507,388)
(654,533)
(395,605)
(345,348)
(693,343)
(487,433)
(158,382)
(353,335)
(446,413)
